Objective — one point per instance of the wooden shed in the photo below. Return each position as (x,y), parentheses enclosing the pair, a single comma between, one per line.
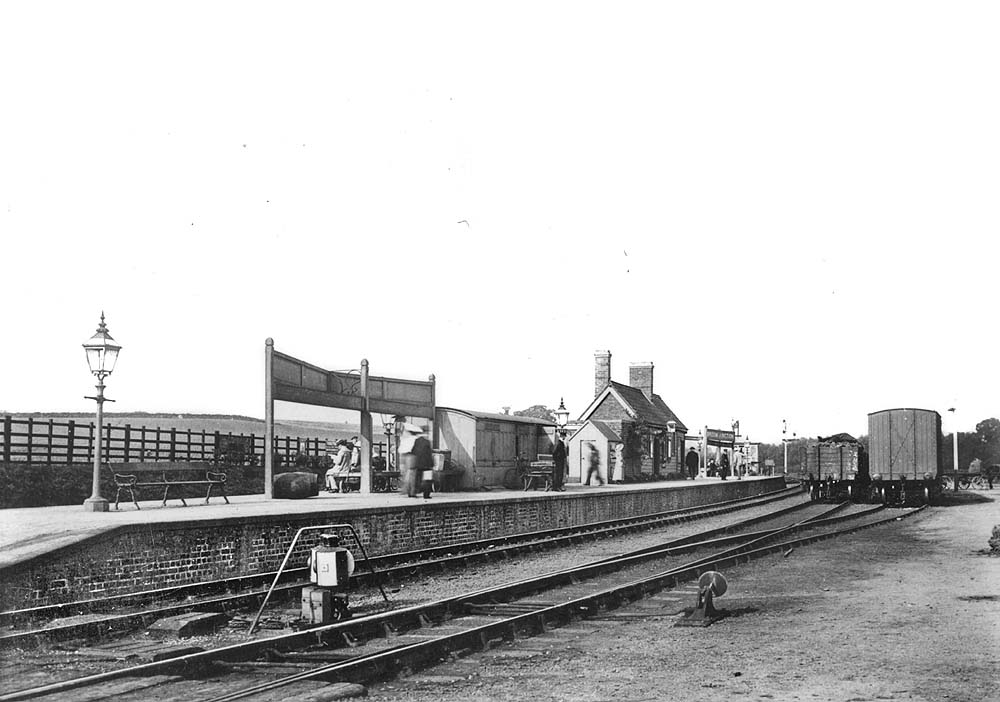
(605,441)
(486,445)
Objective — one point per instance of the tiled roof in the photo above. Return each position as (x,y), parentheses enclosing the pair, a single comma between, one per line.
(605,430)
(658,402)
(654,412)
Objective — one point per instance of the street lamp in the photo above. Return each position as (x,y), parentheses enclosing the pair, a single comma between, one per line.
(562,414)
(389,428)
(102,353)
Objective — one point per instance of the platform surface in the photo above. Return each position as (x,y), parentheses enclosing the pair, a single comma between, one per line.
(30,532)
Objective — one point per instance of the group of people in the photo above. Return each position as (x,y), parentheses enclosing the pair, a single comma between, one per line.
(559,468)
(720,468)
(415,453)
(345,461)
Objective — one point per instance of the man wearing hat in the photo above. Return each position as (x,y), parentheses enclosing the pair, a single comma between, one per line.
(420,461)
(559,461)
(692,461)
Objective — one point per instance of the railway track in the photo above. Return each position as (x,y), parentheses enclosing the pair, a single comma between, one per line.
(380,645)
(141,609)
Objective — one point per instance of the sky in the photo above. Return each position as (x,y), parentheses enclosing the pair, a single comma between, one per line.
(790,208)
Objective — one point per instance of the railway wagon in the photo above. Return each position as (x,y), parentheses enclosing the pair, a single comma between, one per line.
(904,455)
(837,467)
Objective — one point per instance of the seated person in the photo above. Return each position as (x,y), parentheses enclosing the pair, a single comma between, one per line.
(341,467)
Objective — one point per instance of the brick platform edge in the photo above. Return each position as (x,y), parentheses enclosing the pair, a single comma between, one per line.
(135,558)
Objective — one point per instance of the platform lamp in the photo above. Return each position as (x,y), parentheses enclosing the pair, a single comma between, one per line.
(389,428)
(562,415)
(102,353)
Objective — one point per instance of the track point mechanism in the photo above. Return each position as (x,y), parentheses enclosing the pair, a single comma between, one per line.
(711,584)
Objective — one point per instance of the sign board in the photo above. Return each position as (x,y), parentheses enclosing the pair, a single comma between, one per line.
(297,381)
(719,437)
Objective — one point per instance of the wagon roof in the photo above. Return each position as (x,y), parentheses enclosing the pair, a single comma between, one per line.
(497,417)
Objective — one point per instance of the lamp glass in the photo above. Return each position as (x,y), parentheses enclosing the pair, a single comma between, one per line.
(102,351)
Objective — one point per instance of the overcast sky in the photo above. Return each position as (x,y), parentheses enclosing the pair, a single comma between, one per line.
(791,208)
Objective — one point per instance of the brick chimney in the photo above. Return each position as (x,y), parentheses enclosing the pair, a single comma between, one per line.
(602,371)
(640,376)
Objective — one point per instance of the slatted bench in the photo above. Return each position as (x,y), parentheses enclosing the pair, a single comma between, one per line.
(166,475)
(539,473)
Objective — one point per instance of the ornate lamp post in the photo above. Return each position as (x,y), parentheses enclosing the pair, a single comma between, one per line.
(562,415)
(389,428)
(102,353)
(736,434)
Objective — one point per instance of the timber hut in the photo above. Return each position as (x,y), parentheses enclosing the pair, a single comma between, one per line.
(485,446)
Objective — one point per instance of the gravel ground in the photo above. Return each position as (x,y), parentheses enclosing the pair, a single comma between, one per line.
(907,611)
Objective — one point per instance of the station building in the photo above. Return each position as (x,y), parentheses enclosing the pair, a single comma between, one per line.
(633,416)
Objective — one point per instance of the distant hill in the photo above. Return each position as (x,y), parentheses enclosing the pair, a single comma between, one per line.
(223,423)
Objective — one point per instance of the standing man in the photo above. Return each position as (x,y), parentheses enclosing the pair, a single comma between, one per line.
(559,463)
(724,465)
(419,461)
(692,461)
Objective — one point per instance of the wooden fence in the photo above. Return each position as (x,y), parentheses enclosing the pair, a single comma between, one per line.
(47,441)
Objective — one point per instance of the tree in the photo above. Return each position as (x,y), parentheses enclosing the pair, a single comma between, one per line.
(988,433)
(538,412)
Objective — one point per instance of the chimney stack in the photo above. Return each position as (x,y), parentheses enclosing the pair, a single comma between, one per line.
(602,371)
(640,376)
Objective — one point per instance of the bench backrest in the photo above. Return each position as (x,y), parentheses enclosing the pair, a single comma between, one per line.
(159,467)
(545,457)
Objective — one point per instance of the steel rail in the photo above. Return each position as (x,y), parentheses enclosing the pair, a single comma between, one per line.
(508,544)
(372,626)
(369,666)
(11,617)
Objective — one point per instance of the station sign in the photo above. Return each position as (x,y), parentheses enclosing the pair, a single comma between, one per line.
(720,437)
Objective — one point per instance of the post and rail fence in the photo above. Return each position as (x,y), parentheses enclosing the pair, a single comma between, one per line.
(53,442)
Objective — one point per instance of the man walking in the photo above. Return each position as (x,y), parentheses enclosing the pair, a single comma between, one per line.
(692,461)
(559,463)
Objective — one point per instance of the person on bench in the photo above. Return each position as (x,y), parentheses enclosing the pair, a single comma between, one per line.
(342,466)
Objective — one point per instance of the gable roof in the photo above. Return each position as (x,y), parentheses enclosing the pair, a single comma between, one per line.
(669,413)
(602,428)
(653,412)
(606,431)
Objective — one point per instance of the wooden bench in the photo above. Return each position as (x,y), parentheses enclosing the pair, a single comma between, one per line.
(166,474)
(540,473)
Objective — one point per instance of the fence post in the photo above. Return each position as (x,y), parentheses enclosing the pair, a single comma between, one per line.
(173,443)
(90,443)
(70,440)
(142,443)
(6,438)
(107,444)
(31,438)
(128,442)
(48,447)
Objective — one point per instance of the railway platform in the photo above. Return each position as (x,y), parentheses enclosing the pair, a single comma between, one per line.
(58,554)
